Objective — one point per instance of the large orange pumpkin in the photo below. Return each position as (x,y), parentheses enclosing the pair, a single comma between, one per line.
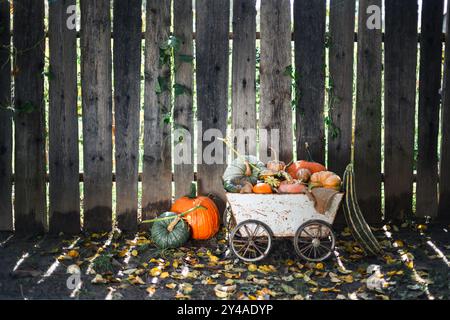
(204,223)
(312,166)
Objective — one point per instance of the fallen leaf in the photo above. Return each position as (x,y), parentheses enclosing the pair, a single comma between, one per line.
(134,253)
(156,271)
(252,267)
(151,290)
(319,266)
(164,275)
(288,289)
(171,285)
(224,291)
(99,279)
(186,287)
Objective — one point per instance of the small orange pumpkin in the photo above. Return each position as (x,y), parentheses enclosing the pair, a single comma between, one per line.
(262,188)
(204,223)
(325,179)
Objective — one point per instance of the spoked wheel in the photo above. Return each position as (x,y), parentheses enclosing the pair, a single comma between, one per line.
(251,240)
(314,240)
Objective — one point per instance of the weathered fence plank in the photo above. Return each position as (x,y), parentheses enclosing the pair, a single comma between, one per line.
(29,167)
(97,113)
(340,100)
(444,181)
(127,87)
(243,74)
(6,214)
(367,154)
(341,51)
(400,94)
(212,24)
(64,188)
(429,100)
(156,176)
(183,113)
(309,37)
(275,106)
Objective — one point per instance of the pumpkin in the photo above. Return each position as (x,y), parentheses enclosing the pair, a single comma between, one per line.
(289,187)
(303,175)
(312,166)
(325,179)
(275,164)
(241,170)
(204,222)
(262,188)
(165,238)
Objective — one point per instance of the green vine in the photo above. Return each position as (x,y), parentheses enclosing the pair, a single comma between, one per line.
(334,130)
(169,56)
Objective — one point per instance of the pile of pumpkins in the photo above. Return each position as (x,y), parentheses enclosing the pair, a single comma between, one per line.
(246,174)
(190,216)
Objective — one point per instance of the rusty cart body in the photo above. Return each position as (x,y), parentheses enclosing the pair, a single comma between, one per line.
(258,218)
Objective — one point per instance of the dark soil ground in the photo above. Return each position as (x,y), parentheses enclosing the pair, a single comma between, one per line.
(414,266)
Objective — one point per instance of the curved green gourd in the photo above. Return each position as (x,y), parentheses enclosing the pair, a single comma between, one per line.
(234,175)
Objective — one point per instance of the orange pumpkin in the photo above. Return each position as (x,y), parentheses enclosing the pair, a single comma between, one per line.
(204,223)
(262,188)
(312,166)
(325,179)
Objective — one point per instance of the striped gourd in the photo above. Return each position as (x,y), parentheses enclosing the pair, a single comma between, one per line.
(354,217)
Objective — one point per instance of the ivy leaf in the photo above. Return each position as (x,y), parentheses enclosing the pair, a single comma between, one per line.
(161,85)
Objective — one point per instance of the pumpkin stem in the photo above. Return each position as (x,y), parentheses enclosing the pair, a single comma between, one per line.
(193,192)
(308,152)
(248,170)
(172,225)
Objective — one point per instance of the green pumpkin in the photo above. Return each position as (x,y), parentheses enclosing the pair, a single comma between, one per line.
(165,239)
(234,175)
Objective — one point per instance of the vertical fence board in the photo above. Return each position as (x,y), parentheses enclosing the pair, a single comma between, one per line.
(368,116)
(157,171)
(64,186)
(212,25)
(127,87)
(275,108)
(243,73)
(444,181)
(6,214)
(183,113)
(30,189)
(341,51)
(97,113)
(309,36)
(429,85)
(400,94)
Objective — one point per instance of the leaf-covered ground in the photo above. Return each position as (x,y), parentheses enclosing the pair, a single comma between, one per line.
(117,266)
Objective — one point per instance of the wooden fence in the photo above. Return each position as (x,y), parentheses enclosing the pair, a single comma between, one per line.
(381,138)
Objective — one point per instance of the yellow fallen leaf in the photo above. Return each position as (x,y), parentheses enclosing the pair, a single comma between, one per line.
(410,264)
(395,273)
(137,280)
(171,285)
(266,268)
(151,290)
(164,275)
(252,267)
(319,266)
(134,253)
(156,271)
(332,289)
(73,254)
(230,275)
(398,243)
(290,262)
(213,259)
(208,280)
(175,264)
(181,296)
(348,278)
(421,227)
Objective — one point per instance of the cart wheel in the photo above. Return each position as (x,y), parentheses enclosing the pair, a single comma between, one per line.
(314,240)
(251,240)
